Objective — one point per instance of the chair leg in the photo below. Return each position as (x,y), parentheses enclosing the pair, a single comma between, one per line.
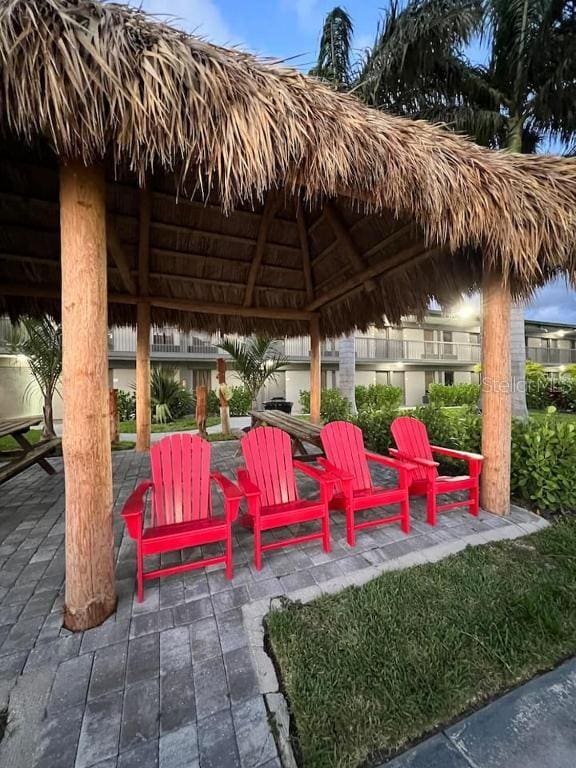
(405,512)
(350,532)
(257,546)
(326,531)
(474,508)
(140,575)
(431,515)
(229,564)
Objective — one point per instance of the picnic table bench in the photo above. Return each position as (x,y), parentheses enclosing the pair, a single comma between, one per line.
(301,432)
(29,454)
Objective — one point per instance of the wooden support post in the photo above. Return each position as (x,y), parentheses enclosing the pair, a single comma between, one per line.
(143,410)
(90,592)
(496,396)
(315,371)
(114,427)
(201,408)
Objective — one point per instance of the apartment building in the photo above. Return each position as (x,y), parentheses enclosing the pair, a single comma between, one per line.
(444,348)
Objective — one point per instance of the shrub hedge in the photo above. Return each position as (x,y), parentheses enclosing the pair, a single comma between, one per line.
(543,473)
(454,394)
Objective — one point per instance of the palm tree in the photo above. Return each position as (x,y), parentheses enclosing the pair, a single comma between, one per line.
(525,94)
(257,361)
(40,341)
(334,67)
(168,397)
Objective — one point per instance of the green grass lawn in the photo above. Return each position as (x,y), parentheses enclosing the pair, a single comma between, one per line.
(34,435)
(180,425)
(374,668)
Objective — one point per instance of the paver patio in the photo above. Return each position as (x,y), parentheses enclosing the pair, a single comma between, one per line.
(169,682)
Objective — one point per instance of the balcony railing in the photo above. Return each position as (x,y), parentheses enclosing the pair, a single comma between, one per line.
(369,348)
(550,356)
(123,341)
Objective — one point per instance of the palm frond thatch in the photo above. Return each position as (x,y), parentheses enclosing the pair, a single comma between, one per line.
(224,129)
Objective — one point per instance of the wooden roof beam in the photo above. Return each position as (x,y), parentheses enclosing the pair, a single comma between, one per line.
(119,257)
(305,248)
(41,291)
(402,259)
(271,206)
(342,234)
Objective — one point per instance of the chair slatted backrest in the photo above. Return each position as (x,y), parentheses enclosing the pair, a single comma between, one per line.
(268,455)
(412,441)
(181,477)
(343,445)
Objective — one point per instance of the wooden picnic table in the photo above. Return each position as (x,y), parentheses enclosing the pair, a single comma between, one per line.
(30,454)
(301,432)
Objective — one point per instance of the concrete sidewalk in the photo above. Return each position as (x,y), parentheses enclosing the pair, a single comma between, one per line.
(533,726)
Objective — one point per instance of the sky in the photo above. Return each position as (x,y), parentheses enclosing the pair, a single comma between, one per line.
(290,30)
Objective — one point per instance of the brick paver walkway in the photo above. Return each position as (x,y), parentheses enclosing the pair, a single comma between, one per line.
(168,682)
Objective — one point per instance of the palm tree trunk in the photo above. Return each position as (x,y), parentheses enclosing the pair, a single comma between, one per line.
(347,370)
(48,429)
(518,361)
(517,334)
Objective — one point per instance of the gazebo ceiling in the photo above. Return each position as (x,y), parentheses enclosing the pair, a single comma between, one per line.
(271,198)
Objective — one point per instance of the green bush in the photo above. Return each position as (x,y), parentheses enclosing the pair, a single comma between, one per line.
(170,400)
(562,394)
(126,405)
(454,394)
(544,462)
(537,394)
(375,426)
(240,403)
(378,396)
(333,406)
(213,404)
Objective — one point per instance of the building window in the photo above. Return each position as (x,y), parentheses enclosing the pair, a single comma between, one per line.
(449,378)
(428,379)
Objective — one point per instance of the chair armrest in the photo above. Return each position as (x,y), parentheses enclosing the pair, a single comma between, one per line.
(133,510)
(339,473)
(413,460)
(404,468)
(457,454)
(248,488)
(325,479)
(232,495)
(393,463)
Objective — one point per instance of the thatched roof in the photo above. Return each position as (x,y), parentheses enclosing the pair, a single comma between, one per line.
(291,197)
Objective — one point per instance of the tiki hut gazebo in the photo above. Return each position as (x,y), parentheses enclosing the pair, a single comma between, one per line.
(146,175)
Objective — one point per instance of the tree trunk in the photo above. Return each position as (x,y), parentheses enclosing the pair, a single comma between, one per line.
(315,372)
(143,408)
(90,591)
(496,396)
(347,370)
(518,361)
(48,429)
(517,333)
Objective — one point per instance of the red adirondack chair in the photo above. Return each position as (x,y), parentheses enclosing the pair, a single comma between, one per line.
(268,481)
(347,458)
(181,511)
(412,444)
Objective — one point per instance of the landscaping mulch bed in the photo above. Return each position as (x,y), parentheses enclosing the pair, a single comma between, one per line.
(375,668)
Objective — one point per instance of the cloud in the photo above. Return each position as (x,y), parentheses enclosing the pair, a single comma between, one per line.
(555,303)
(202,17)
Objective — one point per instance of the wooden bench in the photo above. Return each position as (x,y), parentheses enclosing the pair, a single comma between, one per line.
(30,454)
(301,432)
